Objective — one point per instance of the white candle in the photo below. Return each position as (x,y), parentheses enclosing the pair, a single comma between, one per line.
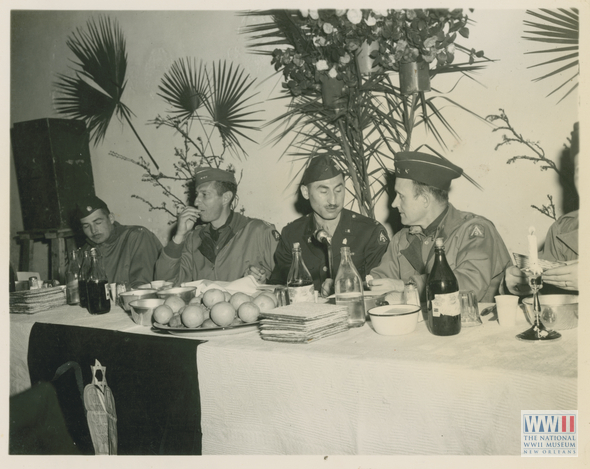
(533,253)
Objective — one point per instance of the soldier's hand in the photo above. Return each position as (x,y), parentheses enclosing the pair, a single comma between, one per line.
(258,273)
(327,287)
(186,222)
(387,284)
(517,281)
(565,276)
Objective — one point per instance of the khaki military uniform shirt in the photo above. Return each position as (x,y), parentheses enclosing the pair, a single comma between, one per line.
(129,255)
(473,247)
(252,242)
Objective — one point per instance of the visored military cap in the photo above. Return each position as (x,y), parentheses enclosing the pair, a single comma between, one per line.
(88,205)
(320,168)
(213,174)
(425,168)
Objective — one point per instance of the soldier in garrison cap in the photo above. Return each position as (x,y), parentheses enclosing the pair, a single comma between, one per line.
(561,245)
(474,249)
(323,185)
(212,241)
(129,252)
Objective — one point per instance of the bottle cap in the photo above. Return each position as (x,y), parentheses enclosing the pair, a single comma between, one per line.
(295,245)
(439,243)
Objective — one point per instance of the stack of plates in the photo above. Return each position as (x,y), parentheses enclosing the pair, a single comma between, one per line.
(303,322)
(39,299)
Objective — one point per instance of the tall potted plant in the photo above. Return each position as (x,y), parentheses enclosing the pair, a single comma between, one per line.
(375,119)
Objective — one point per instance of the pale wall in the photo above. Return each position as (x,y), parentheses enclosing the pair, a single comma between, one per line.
(156,39)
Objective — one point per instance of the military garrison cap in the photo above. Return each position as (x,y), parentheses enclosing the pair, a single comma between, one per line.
(425,168)
(213,174)
(320,168)
(88,205)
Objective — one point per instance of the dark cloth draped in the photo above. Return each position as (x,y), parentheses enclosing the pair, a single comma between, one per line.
(154,381)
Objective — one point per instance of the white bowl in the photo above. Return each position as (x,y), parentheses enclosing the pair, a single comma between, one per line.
(186,293)
(143,310)
(156,285)
(133,295)
(394,319)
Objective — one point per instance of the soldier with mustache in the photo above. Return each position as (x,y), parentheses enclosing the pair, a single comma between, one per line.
(323,185)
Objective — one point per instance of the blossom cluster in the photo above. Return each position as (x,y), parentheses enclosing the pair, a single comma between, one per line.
(332,39)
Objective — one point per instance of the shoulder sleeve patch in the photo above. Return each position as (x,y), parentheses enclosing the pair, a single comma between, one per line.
(383,239)
(477,231)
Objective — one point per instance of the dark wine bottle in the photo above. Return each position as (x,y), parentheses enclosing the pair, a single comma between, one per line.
(442,295)
(97,286)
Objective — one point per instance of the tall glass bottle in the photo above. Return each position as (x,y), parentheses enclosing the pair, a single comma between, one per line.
(442,295)
(72,280)
(299,281)
(83,277)
(97,286)
(349,289)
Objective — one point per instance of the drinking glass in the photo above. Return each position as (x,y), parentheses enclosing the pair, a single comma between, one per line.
(469,309)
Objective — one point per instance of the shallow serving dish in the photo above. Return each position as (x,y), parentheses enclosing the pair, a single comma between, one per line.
(394,319)
(133,295)
(143,310)
(156,285)
(186,293)
(558,312)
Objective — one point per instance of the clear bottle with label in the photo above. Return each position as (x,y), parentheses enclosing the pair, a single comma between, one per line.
(72,280)
(442,295)
(83,277)
(97,286)
(299,281)
(349,289)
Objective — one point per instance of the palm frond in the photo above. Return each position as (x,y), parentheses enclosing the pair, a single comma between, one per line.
(560,27)
(229,105)
(95,93)
(185,87)
(282,29)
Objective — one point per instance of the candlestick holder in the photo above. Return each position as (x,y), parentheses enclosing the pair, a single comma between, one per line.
(538,332)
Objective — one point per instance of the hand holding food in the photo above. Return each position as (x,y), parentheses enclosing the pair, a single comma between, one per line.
(186,222)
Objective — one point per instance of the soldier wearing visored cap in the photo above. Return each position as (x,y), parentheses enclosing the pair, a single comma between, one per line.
(474,249)
(226,245)
(323,185)
(129,252)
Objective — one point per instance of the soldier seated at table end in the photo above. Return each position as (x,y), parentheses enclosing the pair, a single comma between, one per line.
(473,247)
(129,252)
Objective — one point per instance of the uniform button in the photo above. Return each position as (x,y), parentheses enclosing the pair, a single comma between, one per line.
(427,242)
(325,269)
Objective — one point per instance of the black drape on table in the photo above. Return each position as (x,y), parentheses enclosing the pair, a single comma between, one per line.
(153,379)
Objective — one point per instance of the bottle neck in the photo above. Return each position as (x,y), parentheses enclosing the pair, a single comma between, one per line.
(345,255)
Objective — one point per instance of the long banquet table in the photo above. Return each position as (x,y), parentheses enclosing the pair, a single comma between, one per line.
(358,392)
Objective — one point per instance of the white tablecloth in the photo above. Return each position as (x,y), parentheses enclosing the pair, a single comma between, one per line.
(362,393)
(359,392)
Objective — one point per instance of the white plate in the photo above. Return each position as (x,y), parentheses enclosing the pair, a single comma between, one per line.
(208,331)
